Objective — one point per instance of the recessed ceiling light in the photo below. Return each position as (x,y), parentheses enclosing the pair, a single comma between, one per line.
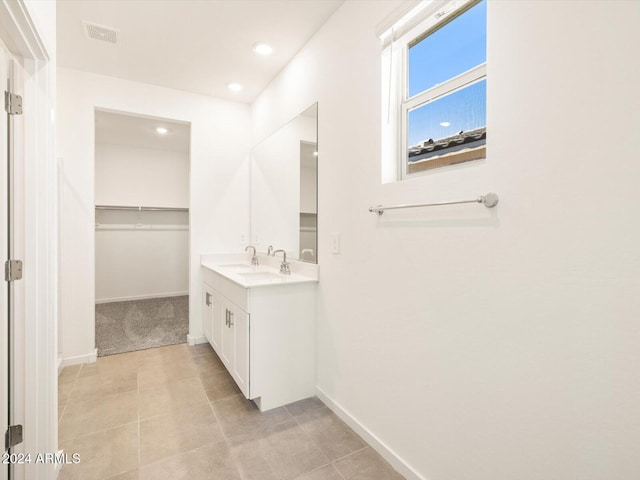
(263,49)
(315,154)
(234,87)
(444,124)
(161,130)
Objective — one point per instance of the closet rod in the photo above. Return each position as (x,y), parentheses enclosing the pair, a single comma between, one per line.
(141,209)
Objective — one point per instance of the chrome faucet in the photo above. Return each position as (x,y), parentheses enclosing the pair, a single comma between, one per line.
(270,250)
(254,258)
(284,266)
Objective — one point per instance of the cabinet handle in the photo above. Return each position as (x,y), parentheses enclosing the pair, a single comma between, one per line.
(226,317)
(208,301)
(231,314)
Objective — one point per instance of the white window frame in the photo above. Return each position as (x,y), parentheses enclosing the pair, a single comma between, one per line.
(425,18)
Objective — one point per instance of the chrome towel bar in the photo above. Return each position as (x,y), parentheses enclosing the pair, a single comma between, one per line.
(489,200)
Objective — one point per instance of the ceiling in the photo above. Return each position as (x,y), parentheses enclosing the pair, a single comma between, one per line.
(194,45)
(135,131)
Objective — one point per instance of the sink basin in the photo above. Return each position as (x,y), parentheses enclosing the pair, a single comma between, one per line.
(260,276)
(239,267)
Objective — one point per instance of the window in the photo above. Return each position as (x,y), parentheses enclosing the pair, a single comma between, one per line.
(434,78)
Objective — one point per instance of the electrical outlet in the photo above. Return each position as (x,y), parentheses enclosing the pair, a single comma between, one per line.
(243,239)
(335,242)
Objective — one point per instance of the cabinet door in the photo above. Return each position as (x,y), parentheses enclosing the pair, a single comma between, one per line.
(217,321)
(228,347)
(207,311)
(239,321)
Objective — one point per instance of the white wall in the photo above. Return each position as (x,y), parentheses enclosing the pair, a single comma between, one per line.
(473,343)
(127,175)
(155,256)
(218,187)
(141,263)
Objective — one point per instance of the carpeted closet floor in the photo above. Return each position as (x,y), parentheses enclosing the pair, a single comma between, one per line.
(141,324)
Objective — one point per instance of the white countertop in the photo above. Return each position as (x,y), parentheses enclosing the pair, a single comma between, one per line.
(237,268)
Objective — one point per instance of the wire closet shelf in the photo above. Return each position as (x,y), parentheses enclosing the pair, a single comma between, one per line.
(141,209)
(137,223)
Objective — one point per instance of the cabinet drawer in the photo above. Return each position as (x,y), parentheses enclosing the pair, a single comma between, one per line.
(232,291)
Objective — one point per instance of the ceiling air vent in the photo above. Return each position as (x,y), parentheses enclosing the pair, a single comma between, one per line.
(100,32)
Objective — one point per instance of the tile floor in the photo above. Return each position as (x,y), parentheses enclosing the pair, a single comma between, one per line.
(174,413)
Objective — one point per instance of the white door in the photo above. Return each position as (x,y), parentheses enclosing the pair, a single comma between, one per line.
(12,248)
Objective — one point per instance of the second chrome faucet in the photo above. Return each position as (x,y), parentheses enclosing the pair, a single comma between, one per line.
(284,266)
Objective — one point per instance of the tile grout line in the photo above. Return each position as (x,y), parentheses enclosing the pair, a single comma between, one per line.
(138,420)
(224,436)
(227,438)
(334,461)
(180,409)
(98,431)
(164,459)
(319,468)
(169,412)
(93,401)
(66,403)
(313,442)
(352,453)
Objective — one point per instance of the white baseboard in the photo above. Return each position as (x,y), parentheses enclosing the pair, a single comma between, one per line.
(374,442)
(88,358)
(141,297)
(195,340)
(60,366)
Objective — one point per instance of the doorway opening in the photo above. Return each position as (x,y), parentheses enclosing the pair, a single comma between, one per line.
(141,232)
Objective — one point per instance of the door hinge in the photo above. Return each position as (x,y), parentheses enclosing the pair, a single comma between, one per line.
(13,436)
(12,103)
(12,270)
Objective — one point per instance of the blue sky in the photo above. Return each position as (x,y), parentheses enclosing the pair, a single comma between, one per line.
(451,50)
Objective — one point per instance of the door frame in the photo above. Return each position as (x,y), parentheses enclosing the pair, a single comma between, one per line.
(39,349)
(5,374)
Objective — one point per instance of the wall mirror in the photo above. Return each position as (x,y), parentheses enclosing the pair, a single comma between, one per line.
(284,189)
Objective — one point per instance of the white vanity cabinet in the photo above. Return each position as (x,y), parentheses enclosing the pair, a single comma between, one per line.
(264,335)
(226,327)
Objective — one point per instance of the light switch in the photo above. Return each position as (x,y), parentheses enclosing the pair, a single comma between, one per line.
(335,242)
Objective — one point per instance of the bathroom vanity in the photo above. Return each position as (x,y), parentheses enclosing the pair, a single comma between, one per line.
(261,324)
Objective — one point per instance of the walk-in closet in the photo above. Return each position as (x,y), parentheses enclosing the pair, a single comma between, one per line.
(141,232)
